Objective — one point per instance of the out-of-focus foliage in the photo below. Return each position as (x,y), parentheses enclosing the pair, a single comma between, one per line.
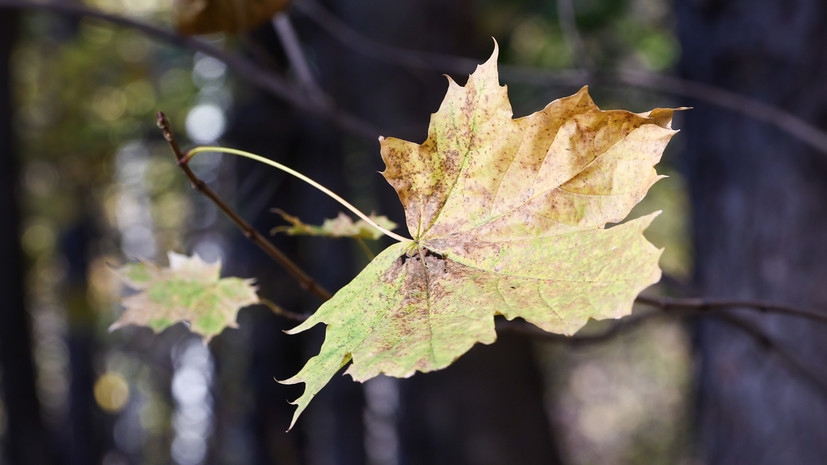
(93,190)
(633,33)
(85,90)
(341,226)
(189,290)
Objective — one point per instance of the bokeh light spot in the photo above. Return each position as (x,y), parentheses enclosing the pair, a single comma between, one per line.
(111,392)
(109,103)
(38,238)
(140,97)
(205,123)
(132,47)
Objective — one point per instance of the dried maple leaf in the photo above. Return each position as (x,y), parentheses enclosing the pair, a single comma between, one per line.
(209,16)
(189,290)
(341,226)
(507,217)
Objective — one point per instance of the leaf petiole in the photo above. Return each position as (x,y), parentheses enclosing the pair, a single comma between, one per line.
(241,153)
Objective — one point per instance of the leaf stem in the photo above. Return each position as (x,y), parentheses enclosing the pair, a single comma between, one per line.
(365,248)
(294,270)
(241,153)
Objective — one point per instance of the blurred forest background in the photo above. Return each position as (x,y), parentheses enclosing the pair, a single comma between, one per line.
(88,183)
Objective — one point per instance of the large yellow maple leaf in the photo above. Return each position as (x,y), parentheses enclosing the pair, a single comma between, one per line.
(507,218)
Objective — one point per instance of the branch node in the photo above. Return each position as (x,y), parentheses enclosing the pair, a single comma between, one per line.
(181,160)
(162,120)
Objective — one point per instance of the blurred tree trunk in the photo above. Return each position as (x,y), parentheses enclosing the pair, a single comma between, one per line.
(486,409)
(26,438)
(83,438)
(760,216)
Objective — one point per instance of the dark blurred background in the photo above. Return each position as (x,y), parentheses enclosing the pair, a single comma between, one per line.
(88,183)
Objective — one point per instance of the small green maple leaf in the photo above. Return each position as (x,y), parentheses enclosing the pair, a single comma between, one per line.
(188,290)
(507,218)
(341,226)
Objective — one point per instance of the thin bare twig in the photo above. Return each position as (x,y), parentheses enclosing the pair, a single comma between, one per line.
(765,341)
(286,314)
(733,101)
(722,98)
(292,47)
(615,328)
(257,75)
(275,85)
(384,53)
(693,307)
(571,35)
(294,270)
(703,305)
(750,329)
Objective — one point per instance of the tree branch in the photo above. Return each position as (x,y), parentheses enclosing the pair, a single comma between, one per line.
(277,86)
(286,314)
(722,98)
(750,329)
(571,35)
(703,305)
(615,328)
(693,307)
(294,270)
(257,75)
(738,103)
(766,342)
(293,50)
